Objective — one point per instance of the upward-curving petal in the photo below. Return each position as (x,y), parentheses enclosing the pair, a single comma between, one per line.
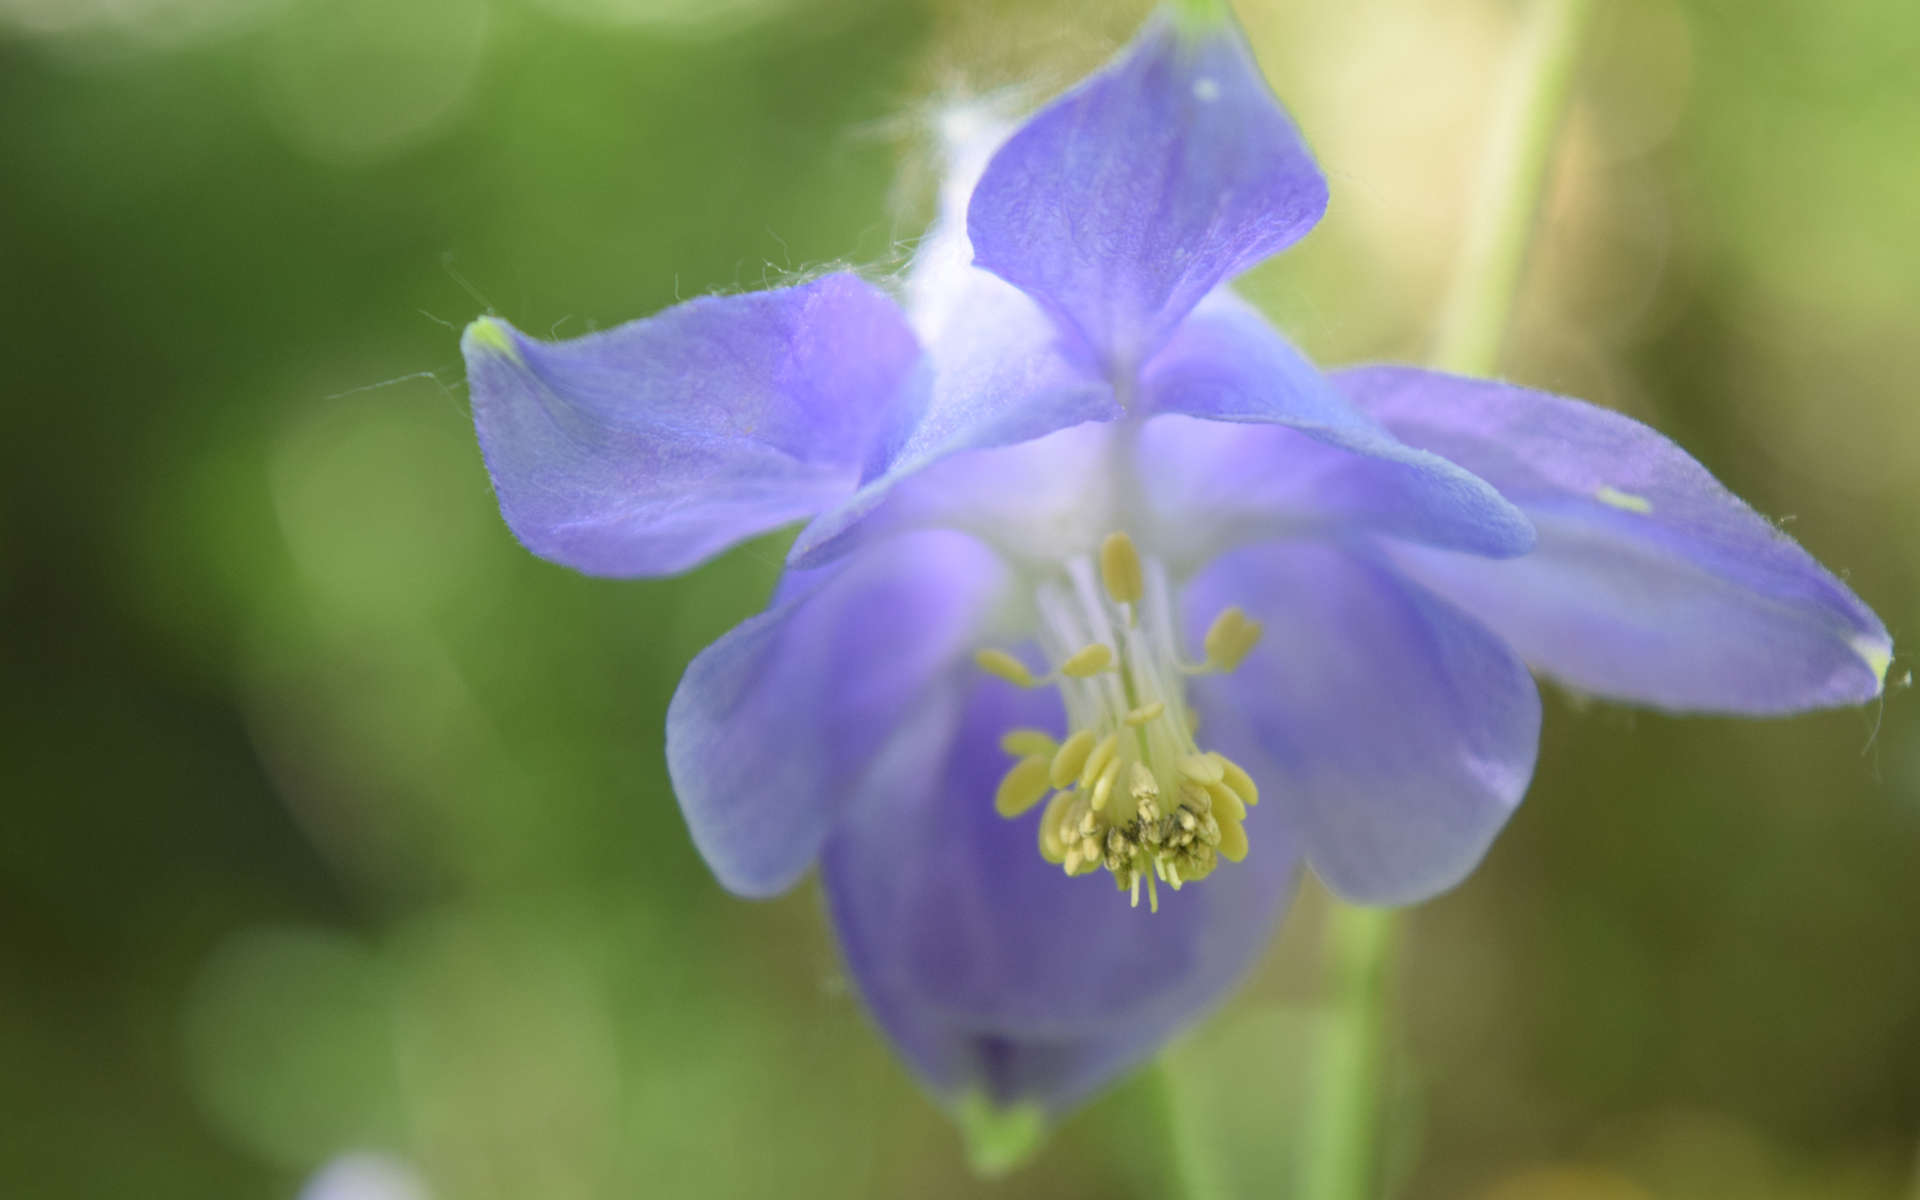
(1123,202)
(995,973)
(850,681)
(1651,582)
(648,448)
(998,377)
(1280,449)
(1000,372)
(1228,363)
(1394,733)
(1036,501)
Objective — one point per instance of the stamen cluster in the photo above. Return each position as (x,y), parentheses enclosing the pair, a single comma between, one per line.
(1131,791)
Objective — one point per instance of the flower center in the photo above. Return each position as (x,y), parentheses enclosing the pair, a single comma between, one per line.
(1130,789)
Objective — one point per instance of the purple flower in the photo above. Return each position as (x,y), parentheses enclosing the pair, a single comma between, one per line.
(1054,503)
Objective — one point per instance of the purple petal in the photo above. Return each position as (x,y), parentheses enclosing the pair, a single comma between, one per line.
(1123,202)
(648,448)
(993,971)
(1038,500)
(1651,582)
(998,378)
(849,679)
(1394,733)
(1282,450)
(1228,363)
(1000,372)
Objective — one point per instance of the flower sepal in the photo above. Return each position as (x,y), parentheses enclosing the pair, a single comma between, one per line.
(999,1139)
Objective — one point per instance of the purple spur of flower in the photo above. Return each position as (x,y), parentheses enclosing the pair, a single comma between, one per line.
(1087,538)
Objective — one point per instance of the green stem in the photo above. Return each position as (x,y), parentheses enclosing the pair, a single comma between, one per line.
(1513,174)
(1340,1142)
(1342,1148)
(1190,1170)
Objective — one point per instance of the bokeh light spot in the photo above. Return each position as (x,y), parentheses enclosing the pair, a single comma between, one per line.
(290,1045)
(352,81)
(365,1176)
(677,18)
(378,501)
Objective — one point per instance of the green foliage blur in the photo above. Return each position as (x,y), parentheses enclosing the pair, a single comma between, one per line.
(336,822)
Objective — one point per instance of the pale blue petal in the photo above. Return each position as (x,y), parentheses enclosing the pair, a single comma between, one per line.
(1281,450)
(1227,362)
(1651,583)
(1123,202)
(998,376)
(645,449)
(1393,733)
(1037,501)
(992,971)
(854,674)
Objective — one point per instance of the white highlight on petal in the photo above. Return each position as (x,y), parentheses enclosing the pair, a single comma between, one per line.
(1205,90)
(969,132)
(1625,501)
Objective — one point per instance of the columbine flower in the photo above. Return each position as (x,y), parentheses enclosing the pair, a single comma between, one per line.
(1097,561)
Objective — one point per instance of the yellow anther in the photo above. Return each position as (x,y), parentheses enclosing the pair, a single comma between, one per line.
(1201,768)
(1052,847)
(1141,784)
(1089,660)
(1239,780)
(1233,841)
(1127,792)
(1103,788)
(1023,743)
(1068,760)
(1230,638)
(1120,569)
(1193,721)
(1006,666)
(1098,760)
(1022,787)
(1225,803)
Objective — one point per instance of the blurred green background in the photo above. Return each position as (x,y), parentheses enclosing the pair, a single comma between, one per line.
(335,822)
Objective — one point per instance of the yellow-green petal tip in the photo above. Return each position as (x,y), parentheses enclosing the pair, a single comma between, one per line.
(1877,654)
(1200,12)
(490,334)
